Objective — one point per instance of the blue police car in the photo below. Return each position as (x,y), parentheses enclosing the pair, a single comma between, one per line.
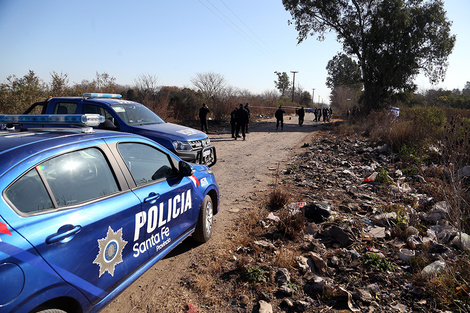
(128,116)
(85,212)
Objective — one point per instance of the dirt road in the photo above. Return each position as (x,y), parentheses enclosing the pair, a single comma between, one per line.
(243,169)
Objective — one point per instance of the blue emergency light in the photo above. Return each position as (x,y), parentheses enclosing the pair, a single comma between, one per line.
(101,95)
(56,119)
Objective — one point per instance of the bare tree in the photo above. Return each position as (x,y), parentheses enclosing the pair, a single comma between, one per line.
(146,85)
(213,89)
(105,83)
(343,98)
(209,84)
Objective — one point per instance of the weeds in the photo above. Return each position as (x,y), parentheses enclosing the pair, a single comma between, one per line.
(372,260)
(382,177)
(291,225)
(277,199)
(256,274)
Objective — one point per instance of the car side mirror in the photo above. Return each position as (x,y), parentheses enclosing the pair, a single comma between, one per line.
(184,169)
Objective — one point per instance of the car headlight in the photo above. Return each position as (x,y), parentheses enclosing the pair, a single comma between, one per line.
(182,145)
(206,142)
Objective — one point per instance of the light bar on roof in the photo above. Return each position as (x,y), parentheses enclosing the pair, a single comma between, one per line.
(101,95)
(55,119)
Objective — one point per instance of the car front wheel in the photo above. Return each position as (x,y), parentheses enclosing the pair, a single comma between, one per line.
(203,230)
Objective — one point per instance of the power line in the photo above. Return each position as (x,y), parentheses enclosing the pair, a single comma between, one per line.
(257,42)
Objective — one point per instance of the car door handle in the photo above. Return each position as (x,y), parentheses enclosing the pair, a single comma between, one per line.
(152,197)
(64,234)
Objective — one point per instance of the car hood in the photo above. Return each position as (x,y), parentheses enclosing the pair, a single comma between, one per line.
(170,131)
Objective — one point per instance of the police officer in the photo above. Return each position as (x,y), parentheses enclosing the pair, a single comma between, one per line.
(279,117)
(242,121)
(301,114)
(233,121)
(203,111)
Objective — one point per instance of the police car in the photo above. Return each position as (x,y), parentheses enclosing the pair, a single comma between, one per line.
(85,212)
(128,116)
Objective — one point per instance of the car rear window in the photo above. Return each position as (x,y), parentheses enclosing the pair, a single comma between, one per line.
(29,195)
(72,178)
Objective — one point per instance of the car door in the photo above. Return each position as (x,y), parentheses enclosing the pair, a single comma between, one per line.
(170,203)
(79,215)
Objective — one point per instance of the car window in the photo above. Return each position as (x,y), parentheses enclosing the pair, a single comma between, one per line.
(65,108)
(78,176)
(137,114)
(95,109)
(29,195)
(145,163)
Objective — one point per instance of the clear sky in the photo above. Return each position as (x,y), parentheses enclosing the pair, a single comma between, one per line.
(173,40)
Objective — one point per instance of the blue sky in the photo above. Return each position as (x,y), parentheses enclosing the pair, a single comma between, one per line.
(243,40)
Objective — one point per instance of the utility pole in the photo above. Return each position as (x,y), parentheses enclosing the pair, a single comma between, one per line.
(293,84)
(313,97)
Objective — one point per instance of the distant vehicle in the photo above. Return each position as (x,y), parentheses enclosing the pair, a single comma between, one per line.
(85,212)
(395,111)
(128,116)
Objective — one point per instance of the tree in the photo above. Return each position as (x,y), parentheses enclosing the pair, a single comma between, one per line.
(343,71)
(59,84)
(306,99)
(466,89)
(185,104)
(282,84)
(105,83)
(17,94)
(342,99)
(212,87)
(393,40)
(146,86)
(209,84)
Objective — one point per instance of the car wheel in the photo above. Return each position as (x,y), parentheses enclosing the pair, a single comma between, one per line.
(51,311)
(203,230)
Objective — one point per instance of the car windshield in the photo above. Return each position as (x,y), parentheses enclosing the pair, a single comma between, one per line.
(137,114)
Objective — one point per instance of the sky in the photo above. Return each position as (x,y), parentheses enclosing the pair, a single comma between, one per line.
(245,41)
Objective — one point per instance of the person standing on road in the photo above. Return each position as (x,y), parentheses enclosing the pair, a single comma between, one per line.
(203,111)
(301,114)
(242,120)
(279,117)
(233,121)
(247,123)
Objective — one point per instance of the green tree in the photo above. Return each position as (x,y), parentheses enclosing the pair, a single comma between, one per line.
(466,89)
(393,40)
(59,84)
(306,99)
(343,71)
(282,84)
(17,94)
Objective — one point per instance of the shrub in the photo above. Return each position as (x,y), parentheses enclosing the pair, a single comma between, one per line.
(277,199)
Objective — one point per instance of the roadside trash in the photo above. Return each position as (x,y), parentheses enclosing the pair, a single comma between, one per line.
(414,242)
(273,217)
(296,207)
(461,241)
(434,268)
(406,255)
(317,211)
